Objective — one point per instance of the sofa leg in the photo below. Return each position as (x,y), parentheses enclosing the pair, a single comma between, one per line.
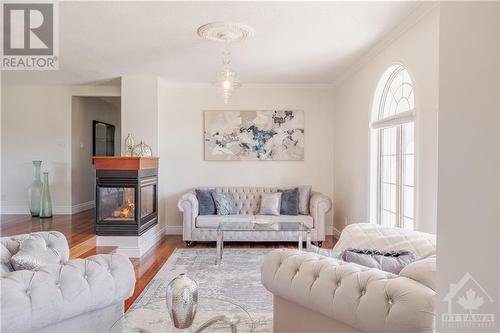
(189,243)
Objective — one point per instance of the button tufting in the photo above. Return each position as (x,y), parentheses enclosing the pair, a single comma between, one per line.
(363,292)
(28,292)
(389,301)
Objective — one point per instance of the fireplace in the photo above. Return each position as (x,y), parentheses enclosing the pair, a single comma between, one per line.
(126,195)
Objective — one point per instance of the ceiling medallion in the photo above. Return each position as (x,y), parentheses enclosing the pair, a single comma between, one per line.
(226,79)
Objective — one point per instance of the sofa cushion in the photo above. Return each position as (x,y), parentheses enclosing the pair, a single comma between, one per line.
(270,203)
(206,204)
(289,202)
(212,221)
(225,203)
(306,219)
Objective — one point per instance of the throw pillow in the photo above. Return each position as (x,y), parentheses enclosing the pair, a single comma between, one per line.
(304,197)
(225,203)
(206,204)
(34,252)
(289,202)
(270,203)
(389,261)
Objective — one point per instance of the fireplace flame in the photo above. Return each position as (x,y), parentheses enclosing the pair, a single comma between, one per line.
(126,211)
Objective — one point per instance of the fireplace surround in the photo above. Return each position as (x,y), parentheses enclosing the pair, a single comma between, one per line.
(126,195)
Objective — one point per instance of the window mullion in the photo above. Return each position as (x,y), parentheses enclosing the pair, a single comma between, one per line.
(399,173)
(380,175)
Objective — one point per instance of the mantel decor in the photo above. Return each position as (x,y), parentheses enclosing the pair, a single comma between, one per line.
(254,135)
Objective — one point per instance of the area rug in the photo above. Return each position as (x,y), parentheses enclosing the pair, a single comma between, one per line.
(235,281)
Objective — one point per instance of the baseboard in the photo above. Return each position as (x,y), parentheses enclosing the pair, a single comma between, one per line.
(173,230)
(23,209)
(82,207)
(332,231)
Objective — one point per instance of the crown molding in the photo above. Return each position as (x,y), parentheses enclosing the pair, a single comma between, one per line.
(178,85)
(409,22)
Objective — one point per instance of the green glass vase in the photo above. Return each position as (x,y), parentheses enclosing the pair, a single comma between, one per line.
(45,200)
(35,189)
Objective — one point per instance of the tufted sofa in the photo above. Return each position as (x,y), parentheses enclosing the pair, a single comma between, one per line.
(317,293)
(80,295)
(203,228)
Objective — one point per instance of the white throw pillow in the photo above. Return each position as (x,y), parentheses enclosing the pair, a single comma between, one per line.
(270,203)
(34,252)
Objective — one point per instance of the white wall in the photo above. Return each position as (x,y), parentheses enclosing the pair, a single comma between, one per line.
(36,125)
(468,196)
(417,50)
(84,111)
(181,143)
(140,109)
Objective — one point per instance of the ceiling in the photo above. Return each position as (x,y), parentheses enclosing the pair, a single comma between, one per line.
(294,43)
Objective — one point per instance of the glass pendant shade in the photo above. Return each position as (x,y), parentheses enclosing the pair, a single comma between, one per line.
(226,80)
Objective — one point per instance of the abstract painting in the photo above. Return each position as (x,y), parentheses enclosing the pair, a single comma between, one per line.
(254,135)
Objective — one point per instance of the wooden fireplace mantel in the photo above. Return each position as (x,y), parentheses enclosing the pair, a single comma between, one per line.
(125,162)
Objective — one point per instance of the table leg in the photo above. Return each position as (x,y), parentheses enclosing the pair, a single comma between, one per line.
(220,246)
(300,240)
(308,240)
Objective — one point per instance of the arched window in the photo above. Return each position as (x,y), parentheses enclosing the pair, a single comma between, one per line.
(393,150)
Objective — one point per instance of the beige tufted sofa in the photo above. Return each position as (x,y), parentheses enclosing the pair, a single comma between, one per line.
(203,228)
(316,293)
(80,295)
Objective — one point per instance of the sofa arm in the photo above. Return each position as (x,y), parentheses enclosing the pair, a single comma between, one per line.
(369,300)
(188,205)
(34,299)
(319,205)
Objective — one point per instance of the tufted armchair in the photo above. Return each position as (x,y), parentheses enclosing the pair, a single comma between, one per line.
(317,293)
(80,295)
(203,228)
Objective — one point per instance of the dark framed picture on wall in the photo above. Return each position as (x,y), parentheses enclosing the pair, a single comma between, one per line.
(103,139)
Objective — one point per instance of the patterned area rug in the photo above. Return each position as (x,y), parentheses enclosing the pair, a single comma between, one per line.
(235,281)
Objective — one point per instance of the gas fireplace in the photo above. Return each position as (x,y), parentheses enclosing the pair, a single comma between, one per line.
(126,195)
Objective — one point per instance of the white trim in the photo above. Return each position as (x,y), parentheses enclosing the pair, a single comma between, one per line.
(407,23)
(19,208)
(82,207)
(173,230)
(133,246)
(204,85)
(396,119)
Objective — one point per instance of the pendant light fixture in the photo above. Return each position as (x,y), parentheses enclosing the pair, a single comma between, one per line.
(226,79)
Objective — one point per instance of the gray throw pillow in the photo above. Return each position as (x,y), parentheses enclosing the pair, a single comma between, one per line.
(389,261)
(206,204)
(289,202)
(34,253)
(270,203)
(225,203)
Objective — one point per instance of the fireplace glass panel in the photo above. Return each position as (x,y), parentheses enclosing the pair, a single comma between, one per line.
(117,204)
(147,200)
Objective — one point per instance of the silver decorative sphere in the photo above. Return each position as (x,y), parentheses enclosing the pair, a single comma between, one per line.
(182,301)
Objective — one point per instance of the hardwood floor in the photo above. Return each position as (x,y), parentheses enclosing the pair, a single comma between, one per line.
(79,230)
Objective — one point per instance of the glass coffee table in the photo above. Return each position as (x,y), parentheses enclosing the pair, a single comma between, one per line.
(212,315)
(297,229)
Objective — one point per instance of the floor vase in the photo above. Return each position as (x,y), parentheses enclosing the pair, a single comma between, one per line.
(45,200)
(35,189)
